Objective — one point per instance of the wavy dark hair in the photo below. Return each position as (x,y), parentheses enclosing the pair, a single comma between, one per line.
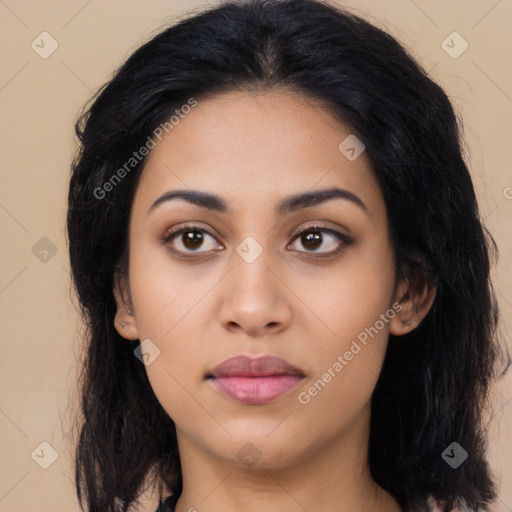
(434,386)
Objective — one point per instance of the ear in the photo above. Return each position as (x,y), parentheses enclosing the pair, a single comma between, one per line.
(124,320)
(415,294)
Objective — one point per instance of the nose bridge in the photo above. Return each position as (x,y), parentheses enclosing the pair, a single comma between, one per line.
(254,298)
(252,262)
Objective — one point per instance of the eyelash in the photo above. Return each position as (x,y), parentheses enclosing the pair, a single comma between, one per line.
(344,240)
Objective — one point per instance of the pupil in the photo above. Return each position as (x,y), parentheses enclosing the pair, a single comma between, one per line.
(312,240)
(193,239)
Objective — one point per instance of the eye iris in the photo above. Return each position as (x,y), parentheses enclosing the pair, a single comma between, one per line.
(310,240)
(192,239)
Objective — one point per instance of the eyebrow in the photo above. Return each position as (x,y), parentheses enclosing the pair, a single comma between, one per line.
(287,205)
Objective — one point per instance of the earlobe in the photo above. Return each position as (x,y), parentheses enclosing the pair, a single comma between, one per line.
(416,299)
(124,319)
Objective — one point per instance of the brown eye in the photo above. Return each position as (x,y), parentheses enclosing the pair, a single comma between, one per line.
(318,237)
(312,240)
(190,239)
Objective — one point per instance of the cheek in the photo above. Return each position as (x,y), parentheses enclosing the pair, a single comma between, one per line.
(163,292)
(177,371)
(348,369)
(355,310)
(165,303)
(342,303)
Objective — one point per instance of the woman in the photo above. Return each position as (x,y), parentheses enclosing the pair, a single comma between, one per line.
(277,248)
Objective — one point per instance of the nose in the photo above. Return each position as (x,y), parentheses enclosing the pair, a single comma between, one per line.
(255,298)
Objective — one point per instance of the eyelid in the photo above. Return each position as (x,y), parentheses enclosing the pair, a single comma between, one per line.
(320,227)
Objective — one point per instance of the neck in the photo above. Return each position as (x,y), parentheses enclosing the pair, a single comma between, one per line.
(335,477)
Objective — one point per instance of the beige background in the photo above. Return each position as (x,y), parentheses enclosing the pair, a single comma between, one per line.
(39,100)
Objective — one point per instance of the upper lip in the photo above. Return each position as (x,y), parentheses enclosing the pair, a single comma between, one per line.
(246,366)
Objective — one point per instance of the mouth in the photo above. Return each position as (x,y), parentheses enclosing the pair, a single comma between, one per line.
(255,381)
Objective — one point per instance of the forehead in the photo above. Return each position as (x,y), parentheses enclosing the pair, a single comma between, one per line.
(254,148)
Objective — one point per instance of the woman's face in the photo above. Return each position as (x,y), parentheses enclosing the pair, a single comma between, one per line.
(324,301)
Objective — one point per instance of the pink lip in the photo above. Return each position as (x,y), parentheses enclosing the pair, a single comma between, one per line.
(255,381)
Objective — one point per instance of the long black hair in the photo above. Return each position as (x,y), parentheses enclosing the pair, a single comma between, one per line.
(433,388)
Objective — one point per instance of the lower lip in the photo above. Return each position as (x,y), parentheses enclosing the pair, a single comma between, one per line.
(256,390)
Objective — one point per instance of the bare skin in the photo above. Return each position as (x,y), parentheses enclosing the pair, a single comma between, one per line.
(253,150)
